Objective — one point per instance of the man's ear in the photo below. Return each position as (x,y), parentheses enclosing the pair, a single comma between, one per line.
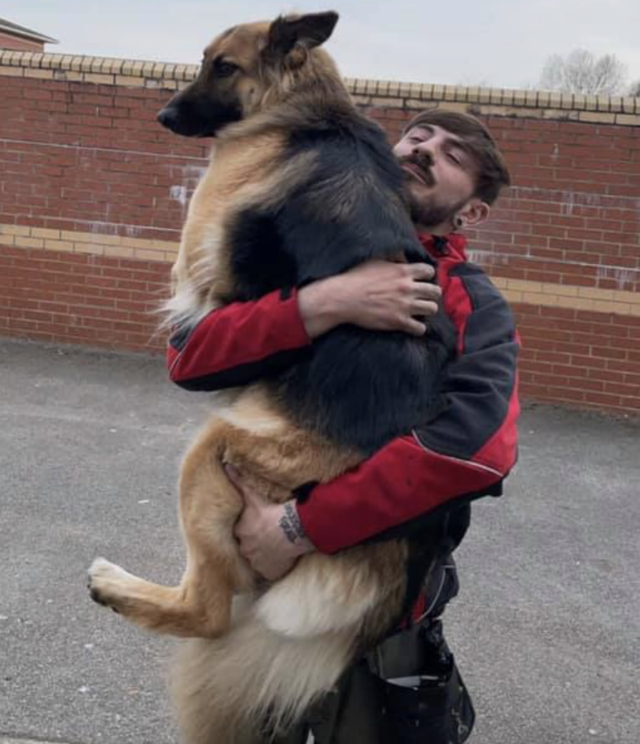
(307,31)
(474,213)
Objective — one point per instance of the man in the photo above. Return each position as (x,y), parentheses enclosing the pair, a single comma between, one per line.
(409,689)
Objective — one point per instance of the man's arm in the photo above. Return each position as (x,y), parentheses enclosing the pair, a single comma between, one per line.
(464,452)
(238,343)
(242,342)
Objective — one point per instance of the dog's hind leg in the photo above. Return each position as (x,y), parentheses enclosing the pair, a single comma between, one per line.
(201,605)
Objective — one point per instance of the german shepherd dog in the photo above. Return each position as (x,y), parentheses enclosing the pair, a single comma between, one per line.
(300,187)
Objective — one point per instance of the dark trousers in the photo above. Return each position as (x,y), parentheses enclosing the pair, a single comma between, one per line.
(406,691)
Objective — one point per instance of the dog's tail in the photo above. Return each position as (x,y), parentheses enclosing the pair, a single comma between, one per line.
(226,689)
(288,648)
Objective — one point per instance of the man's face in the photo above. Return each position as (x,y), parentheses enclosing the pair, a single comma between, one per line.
(440,174)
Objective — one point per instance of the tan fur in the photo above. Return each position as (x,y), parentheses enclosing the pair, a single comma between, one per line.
(288,643)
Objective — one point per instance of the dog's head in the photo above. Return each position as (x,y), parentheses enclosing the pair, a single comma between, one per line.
(246,69)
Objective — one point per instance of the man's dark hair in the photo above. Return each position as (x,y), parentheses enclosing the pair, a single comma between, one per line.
(492,172)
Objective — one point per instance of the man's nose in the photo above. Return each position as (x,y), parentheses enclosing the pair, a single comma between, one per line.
(424,152)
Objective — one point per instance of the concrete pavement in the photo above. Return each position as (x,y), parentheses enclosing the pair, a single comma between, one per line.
(546,628)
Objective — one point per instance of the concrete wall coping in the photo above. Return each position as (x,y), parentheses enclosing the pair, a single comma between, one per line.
(379,93)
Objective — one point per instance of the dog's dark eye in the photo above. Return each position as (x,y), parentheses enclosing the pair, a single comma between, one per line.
(224,69)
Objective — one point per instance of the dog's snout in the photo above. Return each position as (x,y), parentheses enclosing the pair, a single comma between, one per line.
(168,117)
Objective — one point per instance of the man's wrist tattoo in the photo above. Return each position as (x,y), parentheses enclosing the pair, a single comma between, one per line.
(290,524)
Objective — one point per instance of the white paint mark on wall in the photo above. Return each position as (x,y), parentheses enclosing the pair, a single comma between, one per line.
(179,193)
(624,278)
(577,197)
(191,177)
(566,205)
(98,227)
(194,172)
(487,258)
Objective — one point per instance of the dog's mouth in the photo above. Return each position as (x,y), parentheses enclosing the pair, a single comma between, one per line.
(193,118)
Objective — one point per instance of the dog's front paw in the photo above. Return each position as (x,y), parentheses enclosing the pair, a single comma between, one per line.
(107,583)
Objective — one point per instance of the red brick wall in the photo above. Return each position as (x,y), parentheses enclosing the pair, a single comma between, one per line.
(77,157)
(81,299)
(573,219)
(90,185)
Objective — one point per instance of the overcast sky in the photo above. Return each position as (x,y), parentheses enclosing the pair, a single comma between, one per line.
(503,43)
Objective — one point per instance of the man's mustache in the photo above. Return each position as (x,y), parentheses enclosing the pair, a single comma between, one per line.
(423,163)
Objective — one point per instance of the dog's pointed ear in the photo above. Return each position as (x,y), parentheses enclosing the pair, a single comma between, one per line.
(308,31)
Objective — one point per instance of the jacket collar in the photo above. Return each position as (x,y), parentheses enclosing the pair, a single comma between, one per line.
(438,246)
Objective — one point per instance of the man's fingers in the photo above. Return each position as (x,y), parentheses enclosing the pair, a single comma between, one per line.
(233,475)
(249,494)
(414,327)
(246,554)
(424,308)
(421,271)
(427,291)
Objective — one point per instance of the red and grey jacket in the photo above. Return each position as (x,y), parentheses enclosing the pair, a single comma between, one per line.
(464,452)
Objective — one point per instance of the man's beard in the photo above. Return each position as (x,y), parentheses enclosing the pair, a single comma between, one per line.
(426,211)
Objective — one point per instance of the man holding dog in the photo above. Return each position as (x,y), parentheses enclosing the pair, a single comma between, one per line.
(428,477)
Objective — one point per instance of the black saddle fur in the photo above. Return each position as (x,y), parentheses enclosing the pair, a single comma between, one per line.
(359,388)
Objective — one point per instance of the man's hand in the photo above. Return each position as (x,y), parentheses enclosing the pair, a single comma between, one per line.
(270,535)
(379,295)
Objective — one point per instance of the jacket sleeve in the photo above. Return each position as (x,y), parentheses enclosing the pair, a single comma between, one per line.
(238,344)
(462,453)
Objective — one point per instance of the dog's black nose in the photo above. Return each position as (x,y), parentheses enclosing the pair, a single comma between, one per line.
(168,117)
